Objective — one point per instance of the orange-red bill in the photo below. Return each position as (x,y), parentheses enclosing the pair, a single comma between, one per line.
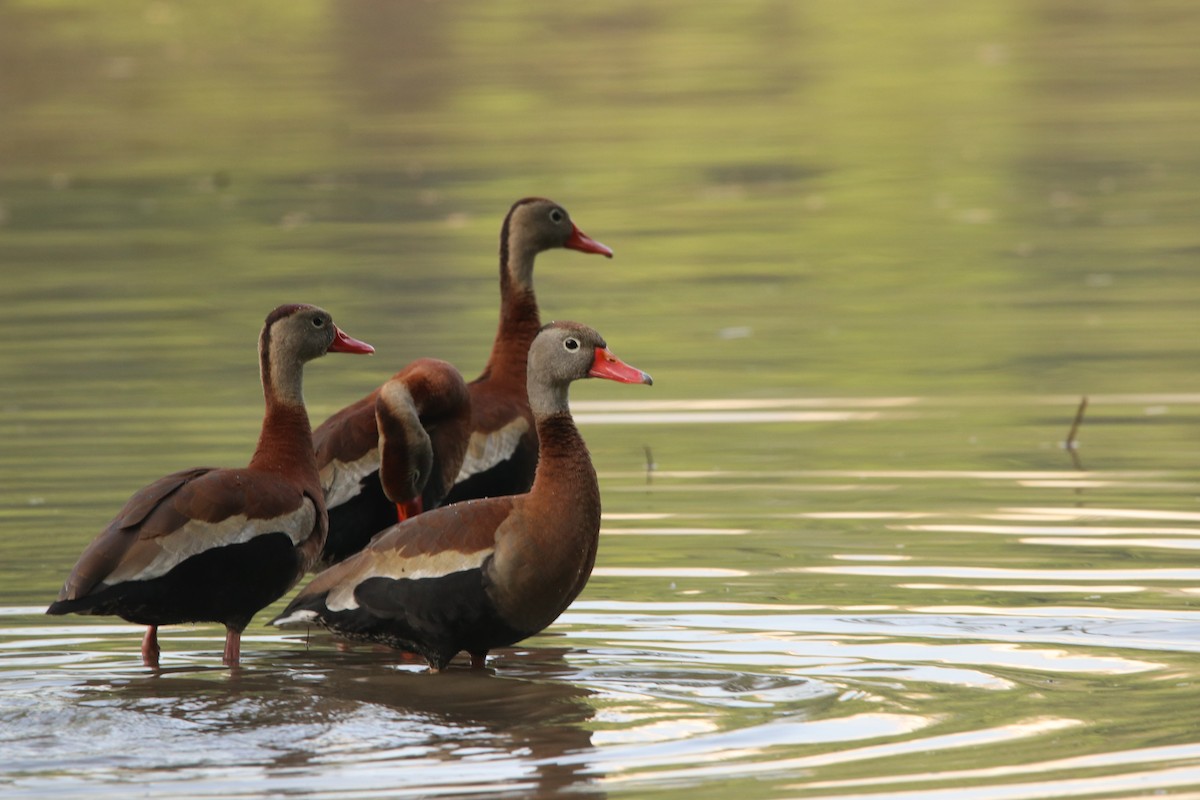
(608,366)
(584,243)
(348,344)
(409,509)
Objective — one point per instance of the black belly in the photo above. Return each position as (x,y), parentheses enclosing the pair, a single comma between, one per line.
(435,617)
(355,522)
(512,476)
(226,584)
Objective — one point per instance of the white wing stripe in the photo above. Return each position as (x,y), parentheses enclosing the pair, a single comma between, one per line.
(435,565)
(486,450)
(196,537)
(342,481)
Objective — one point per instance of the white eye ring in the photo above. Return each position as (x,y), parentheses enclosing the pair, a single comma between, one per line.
(571,344)
(318,322)
(556,215)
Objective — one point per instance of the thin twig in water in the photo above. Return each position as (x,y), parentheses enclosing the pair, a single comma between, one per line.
(649,464)
(1070,444)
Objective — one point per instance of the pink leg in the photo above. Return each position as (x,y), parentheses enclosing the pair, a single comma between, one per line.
(150,649)
(233,647)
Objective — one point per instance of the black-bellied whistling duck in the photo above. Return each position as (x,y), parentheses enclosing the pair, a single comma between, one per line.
(392,454)
(483,573)
(503,450)
(218,545)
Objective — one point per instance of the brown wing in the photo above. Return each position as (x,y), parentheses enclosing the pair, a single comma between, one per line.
(495,404)
(106,550)
(500,422)
(438,542)
(347,435)
(186,513)
(465,528)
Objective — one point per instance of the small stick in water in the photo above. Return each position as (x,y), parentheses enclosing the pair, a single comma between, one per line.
(1070,443)
(649,463)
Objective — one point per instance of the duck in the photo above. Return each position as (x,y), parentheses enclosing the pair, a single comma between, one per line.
(502,451)
(391,454)
(487,572)
(218,545)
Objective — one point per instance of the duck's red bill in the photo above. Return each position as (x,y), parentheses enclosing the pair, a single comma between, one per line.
(608,366)
(408,510)
(581,241)
(348,344)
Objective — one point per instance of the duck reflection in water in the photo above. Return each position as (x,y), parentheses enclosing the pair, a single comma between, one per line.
(304,719)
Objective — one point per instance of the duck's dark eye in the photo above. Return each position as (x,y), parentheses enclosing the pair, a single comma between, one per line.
(318,322)
(571,344)
(557,215)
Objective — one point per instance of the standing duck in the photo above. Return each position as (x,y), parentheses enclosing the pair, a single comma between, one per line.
(392,454)
(218,545)
(484,573)
(503,449)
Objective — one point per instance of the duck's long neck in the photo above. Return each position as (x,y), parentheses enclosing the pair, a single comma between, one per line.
(563,464)
(285,443)
(566,489)
(565,475)
(519,317)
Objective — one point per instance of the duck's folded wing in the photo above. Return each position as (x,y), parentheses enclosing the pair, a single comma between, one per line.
(486,449)
(417,554)
(184,514)
(346,446)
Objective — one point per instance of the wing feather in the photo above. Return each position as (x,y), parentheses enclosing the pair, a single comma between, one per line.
(487,449)
(440,542)
(184,514)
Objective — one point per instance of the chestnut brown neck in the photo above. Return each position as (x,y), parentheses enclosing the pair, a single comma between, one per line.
(285,442)
(520,320)
(564,462)
(566,490)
